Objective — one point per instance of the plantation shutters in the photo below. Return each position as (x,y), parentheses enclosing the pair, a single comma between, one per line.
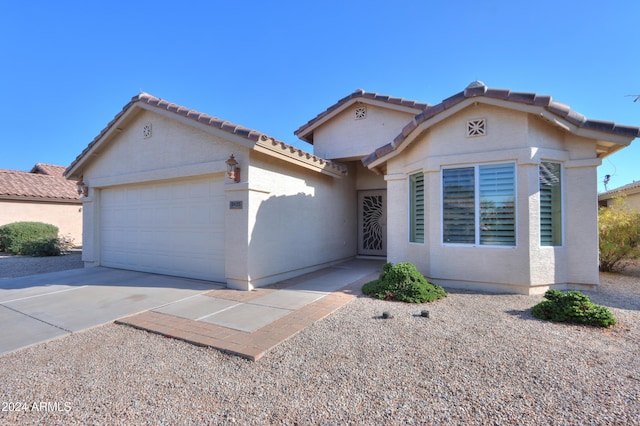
(458,188)
(416,231)
(497,205)
(479,205)
(550,204)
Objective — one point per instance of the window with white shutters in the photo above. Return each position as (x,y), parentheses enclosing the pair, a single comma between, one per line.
(550,204)
(479,205)
(416,231)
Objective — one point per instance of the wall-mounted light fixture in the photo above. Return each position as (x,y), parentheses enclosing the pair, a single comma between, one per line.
(233,171)
(83,189)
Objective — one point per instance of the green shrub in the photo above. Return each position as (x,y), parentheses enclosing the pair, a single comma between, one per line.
(405,283)
(16,235)
(57,246)
(619,232)
(573,307)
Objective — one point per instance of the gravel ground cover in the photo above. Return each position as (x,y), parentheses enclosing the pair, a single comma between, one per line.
(20,266)
(478,359)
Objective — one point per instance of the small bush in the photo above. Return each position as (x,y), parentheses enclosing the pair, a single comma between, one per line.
(405,283)
(57,246)
(573,307)
(16,235)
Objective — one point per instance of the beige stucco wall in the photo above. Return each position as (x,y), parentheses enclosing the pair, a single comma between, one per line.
(344,137)
(175,150)
(66,216)
(297,220)
(292,220)
(524,140)
(631,198)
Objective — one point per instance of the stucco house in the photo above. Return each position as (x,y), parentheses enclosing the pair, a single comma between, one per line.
(630,192)
(41,195)
(488,189)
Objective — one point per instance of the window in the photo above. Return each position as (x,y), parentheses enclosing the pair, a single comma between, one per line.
(550,204)
(416,196)
(478,205)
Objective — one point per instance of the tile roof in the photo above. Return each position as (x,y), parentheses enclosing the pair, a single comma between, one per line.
(49,169)
(477,89)
(418,106)
(44,182)
(252,135)
(621,189)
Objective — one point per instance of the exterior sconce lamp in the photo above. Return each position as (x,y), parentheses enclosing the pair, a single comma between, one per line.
(83,189)
(233,171)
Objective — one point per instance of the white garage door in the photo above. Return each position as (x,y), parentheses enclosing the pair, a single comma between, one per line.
(172,228)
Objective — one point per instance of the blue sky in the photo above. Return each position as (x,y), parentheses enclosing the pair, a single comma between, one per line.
(69,67)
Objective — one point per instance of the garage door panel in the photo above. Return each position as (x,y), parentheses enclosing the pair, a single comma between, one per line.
(174,228)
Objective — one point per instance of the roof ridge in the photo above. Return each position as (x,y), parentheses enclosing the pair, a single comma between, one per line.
(478,89)
(200,117)
(361,93)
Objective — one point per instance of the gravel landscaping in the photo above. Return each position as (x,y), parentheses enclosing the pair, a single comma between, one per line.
(20,266)
(478,359)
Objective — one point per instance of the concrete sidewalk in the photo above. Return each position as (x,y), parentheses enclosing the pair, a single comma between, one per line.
(249,323)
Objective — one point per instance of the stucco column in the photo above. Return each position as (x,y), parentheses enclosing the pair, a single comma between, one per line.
(581,222)
(396,217)
(90,232)
(236,235)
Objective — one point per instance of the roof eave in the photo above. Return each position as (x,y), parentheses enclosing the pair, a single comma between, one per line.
(298,157)
(40,199)
(305,132)
(607,142)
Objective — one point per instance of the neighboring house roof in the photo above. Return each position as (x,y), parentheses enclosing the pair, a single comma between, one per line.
(258,140)
(43,183)
(49,169)
(610,136)
(630,188)
(305,132)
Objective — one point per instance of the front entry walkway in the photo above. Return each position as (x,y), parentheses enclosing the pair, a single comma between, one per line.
(249,323)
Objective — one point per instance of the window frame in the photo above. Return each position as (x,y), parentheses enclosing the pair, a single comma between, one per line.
(562,205)
(477,205)
(412,205)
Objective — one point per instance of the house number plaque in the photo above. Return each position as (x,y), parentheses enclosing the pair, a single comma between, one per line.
(235,205)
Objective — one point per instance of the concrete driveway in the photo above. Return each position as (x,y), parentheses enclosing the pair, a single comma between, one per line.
(38,308)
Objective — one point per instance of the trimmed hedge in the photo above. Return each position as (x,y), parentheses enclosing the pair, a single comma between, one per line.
(405,283)
(15,237)
(573,307)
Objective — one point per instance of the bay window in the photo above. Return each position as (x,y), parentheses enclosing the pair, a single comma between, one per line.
(416,208)
(550,204)
(478,205)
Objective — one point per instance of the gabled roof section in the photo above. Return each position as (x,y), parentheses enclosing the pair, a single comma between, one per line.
(630,188)
(49,169)
(614,136)
(150,102)
(305,132)
(43,183)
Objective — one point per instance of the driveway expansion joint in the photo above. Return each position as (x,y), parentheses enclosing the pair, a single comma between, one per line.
(36,318)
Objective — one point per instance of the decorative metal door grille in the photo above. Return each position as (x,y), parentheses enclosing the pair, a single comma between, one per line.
(372,227)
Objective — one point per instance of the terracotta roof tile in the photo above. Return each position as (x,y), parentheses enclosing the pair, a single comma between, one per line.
(49,169)
(44,181)
(243,132)
(621,189)
(360,94)
(478,89)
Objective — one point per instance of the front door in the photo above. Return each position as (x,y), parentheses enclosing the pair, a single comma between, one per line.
(372,223)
